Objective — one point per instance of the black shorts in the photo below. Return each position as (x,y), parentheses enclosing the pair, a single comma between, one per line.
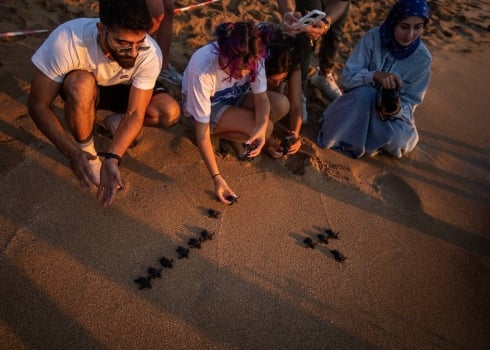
(115,98)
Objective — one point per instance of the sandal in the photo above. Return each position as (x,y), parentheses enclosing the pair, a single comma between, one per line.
(272,148)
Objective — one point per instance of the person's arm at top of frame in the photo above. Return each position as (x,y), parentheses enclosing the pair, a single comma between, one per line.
(335,10)
(164,33)
(286,6)
(290,16)
(155,7)
(162,13)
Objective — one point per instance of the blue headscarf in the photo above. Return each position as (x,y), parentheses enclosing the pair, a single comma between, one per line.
(402,9)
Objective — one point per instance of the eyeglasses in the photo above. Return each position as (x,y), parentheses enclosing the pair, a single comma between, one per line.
(126,49)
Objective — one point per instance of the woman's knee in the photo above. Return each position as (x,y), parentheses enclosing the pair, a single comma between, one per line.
(279,106)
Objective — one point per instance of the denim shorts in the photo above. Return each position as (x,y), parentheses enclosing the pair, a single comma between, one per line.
(217,110)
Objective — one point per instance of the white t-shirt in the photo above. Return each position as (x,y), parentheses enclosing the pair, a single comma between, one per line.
(206,84)
(73,46)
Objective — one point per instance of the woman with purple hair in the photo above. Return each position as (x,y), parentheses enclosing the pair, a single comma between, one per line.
(385,78)
(225,90)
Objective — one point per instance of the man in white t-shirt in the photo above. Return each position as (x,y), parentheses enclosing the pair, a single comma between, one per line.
(107,63)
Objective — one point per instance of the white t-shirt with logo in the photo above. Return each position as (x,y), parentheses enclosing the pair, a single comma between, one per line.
(74,46)
(205,84)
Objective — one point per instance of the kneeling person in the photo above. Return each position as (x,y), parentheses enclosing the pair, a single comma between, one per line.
(106,63)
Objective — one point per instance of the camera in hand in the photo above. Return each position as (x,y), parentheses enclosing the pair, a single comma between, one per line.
(388,102)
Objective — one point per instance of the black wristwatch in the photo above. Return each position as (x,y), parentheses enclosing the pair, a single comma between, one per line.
(326,25)
(108,155)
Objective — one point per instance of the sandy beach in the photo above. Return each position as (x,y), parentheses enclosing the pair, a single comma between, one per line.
(414,230)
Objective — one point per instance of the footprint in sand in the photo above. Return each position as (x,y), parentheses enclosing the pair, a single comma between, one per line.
(396,192)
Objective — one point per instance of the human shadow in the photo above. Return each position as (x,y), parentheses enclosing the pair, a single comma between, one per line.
(407,214)
(35,317)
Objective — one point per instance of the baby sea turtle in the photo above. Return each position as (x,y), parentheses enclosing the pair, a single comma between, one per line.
(206,235)
(338,255)
(309,242)
(232,199)
(213,213)
(154,272)
(249,147)
(166,263)
(322,238)
(194,243)
(331,234)
(286,143)
(144,282)
(183,252)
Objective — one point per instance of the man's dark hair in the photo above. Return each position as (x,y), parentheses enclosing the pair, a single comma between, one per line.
(125,14)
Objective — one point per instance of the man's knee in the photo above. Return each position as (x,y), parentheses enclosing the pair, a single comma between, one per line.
(163,111)
(171,116)
(79,86)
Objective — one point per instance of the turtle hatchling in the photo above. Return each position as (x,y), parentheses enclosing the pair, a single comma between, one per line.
(338,255)
(144,282)
(309,242)
(331,234)
(194,243)
(183,252)
(206,235)
(213,213)
(322,238)
(154,272)
(166,263)
(232,199)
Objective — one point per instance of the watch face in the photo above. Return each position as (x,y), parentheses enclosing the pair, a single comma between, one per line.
(326,27)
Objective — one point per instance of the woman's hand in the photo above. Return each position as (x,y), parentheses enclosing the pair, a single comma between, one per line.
(295,146)
(388,80)
(290,145)
(258,140)
(290,22)
(222,190)
(315,31)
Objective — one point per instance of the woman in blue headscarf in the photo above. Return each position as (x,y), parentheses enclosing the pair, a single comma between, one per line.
(388,64)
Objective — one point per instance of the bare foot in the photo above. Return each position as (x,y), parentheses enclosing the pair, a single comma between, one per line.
(273,148)
(112,121)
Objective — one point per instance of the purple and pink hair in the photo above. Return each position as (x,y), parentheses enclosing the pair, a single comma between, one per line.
(242,44)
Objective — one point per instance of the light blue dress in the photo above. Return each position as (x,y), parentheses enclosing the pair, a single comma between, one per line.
(351,123)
